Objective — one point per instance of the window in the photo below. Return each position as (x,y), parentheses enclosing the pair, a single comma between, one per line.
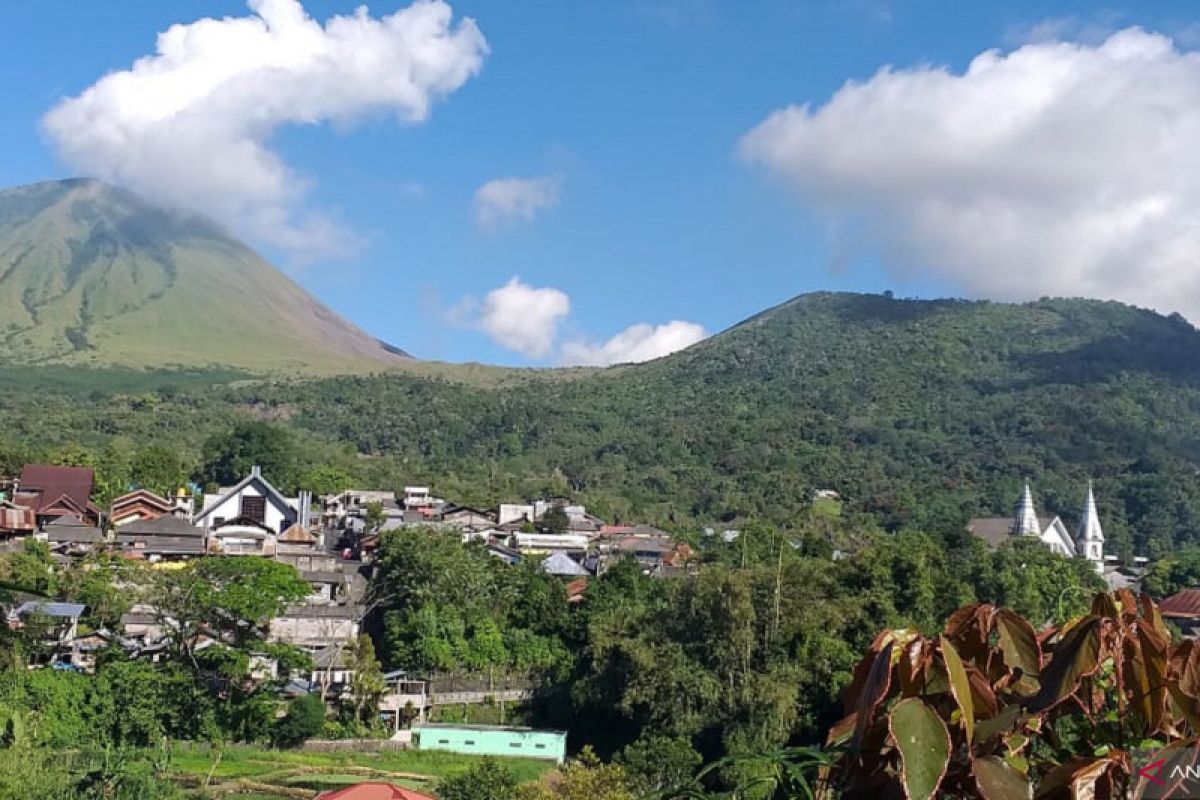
(469,742)
(254,508)
(514,744)
(540,746)
(443,741)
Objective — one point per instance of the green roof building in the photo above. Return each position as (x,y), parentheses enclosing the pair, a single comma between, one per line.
(491,740)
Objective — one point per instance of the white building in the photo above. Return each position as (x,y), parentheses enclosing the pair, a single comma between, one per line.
(254,500)
(1088,541)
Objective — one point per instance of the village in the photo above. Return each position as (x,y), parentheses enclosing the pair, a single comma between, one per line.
(331,542)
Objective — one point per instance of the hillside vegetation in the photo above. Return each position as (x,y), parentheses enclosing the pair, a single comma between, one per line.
(921,413)
(92,275)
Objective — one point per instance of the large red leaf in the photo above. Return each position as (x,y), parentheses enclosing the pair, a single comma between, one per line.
(1075,657)
(874,689)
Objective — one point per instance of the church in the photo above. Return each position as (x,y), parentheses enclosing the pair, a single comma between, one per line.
(1088,541)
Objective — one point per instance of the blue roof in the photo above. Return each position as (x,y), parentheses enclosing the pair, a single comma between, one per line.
(69,610)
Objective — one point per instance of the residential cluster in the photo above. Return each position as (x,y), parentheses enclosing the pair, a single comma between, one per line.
(331,541)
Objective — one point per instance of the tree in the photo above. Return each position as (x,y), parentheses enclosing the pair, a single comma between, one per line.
(656,763)
(1180,570)
(228,457)
(587,778)
(369,684)
(29,569)
(235,596)
(160,469)
(486,779)
(325,479)
(305,718)
(555,520)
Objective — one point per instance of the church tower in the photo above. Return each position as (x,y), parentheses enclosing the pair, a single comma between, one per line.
(1089,539)
(1025,521)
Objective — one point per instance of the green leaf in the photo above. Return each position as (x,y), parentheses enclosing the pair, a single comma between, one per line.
(960,686)
(1018,642)
(924,745)
(1003,722)
(996,780)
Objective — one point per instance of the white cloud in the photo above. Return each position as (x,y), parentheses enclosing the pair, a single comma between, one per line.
(191,124)
(1058,168)
(636,343)
(521,317)
(505,201)
(527,320)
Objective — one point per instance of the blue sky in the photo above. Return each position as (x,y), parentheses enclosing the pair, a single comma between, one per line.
(633,111)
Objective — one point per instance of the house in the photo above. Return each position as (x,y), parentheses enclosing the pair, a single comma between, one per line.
(506,554)
(335,508)
(143,505)
(562,565)
(256,500)
(1088,542)
(163,538)
(649,550)
(373,790)
(71,534)
(51,492)
(548,542)
(492,740)
(1183,608)
(15,520)
(418,497)
(316,626)
(332,671)
(143,623)
(63,618)
(467,518)
(242,536)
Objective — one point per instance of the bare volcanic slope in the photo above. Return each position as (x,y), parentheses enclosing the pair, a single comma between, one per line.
(92,275)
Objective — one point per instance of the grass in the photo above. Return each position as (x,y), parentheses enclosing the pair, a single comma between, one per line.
(414,769)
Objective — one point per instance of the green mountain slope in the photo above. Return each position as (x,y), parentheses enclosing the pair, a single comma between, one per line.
(91,275)
(922,413)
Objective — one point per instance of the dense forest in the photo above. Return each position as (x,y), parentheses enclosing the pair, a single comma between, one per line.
(921,413)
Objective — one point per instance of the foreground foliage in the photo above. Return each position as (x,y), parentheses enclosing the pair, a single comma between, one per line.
(994,708)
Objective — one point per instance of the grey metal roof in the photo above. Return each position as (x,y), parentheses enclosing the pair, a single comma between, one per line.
(320,576)
(162,526)
(51,609)
(322,612)
(153,545)
(71,528)
(563,565)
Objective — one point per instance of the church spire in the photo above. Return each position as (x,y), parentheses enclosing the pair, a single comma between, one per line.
(1089,539)
(1025,521)
(1089,521)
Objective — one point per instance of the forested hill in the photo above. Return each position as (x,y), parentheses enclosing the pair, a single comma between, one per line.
(922,413)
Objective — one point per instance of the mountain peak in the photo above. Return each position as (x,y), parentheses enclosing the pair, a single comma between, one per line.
(92,274)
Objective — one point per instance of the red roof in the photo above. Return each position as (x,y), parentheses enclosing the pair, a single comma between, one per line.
(373,791)
(1181,604)
(42,485)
